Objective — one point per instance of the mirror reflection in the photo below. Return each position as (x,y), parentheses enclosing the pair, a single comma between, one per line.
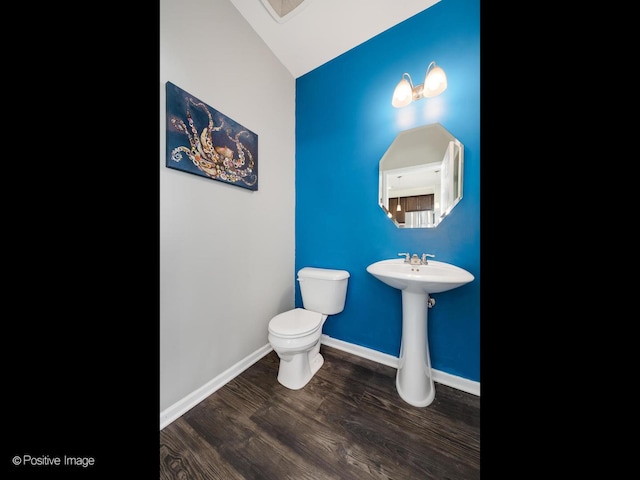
(420,176)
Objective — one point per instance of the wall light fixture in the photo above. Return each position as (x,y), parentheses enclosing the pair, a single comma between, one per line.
(435,82)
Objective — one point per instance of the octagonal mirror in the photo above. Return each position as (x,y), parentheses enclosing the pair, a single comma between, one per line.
(420,177)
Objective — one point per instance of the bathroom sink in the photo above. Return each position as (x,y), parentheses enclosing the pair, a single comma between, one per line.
(435,277)
(414,380)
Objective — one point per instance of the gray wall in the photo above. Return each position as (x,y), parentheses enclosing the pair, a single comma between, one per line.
(226,253)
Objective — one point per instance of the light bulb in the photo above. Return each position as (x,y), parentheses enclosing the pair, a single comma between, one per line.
(435,82)
(402,95)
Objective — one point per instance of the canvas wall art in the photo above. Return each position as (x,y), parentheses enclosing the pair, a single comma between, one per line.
(203,141)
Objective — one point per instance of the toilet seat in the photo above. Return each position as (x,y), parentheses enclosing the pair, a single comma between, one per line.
(295,323)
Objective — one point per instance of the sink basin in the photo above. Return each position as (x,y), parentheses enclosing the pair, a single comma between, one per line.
(435,277)
(414,380)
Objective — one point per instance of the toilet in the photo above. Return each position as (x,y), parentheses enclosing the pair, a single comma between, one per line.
(295,334)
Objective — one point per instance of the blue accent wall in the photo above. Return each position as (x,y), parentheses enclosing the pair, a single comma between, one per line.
(344,125)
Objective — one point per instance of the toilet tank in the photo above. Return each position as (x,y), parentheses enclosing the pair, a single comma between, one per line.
(323,290)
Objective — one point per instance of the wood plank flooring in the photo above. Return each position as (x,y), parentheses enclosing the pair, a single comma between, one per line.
(347,423)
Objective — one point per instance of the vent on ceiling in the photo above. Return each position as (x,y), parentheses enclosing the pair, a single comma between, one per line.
(283,10)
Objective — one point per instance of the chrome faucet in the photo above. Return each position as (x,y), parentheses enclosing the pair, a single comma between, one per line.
(424,258)
(414,259)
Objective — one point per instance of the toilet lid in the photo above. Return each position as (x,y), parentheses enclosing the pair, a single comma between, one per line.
(295,322)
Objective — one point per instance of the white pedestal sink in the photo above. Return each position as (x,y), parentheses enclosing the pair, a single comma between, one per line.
(414,380)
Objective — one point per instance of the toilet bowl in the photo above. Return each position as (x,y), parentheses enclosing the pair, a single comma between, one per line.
(295,334)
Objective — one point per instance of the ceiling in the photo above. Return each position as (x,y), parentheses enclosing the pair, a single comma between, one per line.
(305,34)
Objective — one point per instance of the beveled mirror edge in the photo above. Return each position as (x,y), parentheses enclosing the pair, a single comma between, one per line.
(460,190)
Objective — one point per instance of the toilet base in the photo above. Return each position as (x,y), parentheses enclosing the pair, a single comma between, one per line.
(316,363)
(295,371)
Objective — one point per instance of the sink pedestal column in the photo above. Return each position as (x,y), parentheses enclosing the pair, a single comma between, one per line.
(414,380)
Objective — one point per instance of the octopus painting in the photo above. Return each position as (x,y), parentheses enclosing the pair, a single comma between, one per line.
(209,144)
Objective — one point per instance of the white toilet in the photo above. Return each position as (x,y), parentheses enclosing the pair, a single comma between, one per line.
(295,334)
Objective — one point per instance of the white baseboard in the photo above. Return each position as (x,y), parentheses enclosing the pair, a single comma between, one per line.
(364,352)
(444,378)
(187,403)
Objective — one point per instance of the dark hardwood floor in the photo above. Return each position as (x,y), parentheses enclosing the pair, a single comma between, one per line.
(348,422)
